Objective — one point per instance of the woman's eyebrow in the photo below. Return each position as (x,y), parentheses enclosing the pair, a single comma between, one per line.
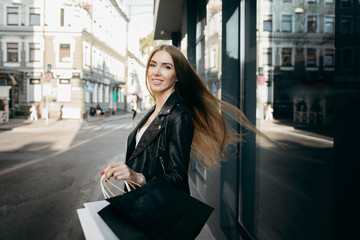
(164,63)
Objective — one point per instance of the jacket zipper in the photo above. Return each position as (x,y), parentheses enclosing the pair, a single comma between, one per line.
(162,164)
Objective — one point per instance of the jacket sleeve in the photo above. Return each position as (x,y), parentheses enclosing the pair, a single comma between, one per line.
(178,155)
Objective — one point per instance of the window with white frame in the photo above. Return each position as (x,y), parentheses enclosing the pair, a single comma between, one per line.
(64,53)
(329,24)
(34,52)
(34,90)
(12,16)
(311,57)
(286,57)
(12,52)
(267,57)
(267,23)
(286,23)
(34,17)
(312,23)
(329,1)
(329,58)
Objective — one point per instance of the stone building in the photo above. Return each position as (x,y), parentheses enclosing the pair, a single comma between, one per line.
(64,55)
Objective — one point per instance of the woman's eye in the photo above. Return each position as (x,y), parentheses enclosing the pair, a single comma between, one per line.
(152,65)
(167,67)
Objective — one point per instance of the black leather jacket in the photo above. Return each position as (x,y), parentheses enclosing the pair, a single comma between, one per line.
(167,139)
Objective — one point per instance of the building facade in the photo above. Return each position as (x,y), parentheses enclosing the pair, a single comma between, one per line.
(63,56)
(300,56)
(296,46)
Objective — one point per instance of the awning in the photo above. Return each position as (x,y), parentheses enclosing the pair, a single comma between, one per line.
(167,18)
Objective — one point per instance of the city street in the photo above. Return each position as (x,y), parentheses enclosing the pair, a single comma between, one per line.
(47,172)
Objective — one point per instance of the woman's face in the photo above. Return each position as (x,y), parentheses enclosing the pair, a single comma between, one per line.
(161,73)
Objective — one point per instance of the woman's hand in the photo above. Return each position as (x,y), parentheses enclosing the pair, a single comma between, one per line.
(120,171)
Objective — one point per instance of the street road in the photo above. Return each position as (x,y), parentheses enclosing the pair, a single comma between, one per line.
(46,173)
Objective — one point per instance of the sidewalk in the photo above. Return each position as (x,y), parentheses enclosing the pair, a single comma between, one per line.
(55,123)
(296,128)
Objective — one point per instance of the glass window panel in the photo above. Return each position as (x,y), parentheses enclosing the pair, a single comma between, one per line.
(267,24)
(329,58)
(12,16)
(286,23)
(286,56)
(12,52)
(267,57)
(35,54)
(34,17)
(346,25)
(346,3)
(311,57)
(64,52)
(62,17)
(296,105)
(329,23)
(312,24)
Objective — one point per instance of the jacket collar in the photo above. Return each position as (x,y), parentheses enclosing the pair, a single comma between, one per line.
(172,100)
(154,128)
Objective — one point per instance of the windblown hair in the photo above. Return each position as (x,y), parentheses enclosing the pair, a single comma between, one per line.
(212,133)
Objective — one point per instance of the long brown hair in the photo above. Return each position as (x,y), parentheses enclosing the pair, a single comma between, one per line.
(212,133)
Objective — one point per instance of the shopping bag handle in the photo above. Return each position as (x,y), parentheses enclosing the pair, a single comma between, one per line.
(128,183)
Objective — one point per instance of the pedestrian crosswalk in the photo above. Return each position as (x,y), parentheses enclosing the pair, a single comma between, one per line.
(114,126)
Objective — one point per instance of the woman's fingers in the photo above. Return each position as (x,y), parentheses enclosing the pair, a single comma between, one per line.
(115,170)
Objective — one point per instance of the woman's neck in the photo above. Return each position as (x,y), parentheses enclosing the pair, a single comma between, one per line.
(160,101)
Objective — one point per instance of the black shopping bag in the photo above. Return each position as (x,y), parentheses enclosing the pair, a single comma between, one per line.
(157,210)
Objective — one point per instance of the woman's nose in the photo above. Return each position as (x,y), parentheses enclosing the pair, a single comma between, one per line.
(158,71)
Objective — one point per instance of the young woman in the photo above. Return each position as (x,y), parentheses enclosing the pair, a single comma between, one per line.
(187,118)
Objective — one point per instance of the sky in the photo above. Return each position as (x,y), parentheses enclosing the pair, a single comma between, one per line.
(141,22)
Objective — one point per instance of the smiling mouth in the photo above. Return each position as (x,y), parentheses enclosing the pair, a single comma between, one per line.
(157,81)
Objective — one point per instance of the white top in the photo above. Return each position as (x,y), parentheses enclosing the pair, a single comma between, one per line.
(140,133)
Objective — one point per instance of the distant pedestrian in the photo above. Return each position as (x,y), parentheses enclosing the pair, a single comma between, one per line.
(269,113)
(100,110)
(33,112)
(133,115)
(92,111)
(61,115)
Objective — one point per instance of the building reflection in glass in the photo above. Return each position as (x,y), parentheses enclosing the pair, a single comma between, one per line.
(296,56)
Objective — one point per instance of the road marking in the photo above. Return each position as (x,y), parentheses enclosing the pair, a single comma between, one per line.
(110,126)
(22,165)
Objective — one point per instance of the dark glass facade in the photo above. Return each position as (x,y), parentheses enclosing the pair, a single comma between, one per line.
(293,68)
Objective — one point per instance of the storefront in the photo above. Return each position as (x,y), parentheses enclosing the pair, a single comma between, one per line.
(307,58)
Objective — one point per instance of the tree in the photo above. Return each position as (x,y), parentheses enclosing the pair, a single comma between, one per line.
(147,44)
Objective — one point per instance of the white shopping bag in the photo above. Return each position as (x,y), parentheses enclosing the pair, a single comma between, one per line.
(92,224)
